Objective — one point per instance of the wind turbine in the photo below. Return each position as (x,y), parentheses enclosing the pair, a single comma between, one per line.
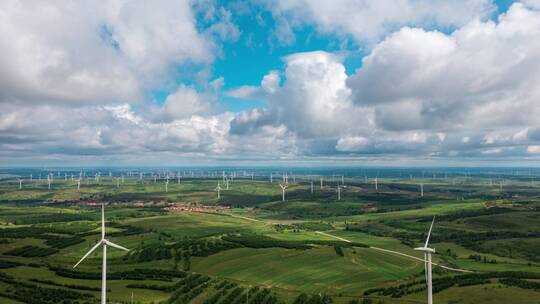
(167,185)
(321,182)
(427,264)
(422,190)
(49,181)
(338,192)
(218,189)
(79,184)
(271,178)
(227,183)
(20,183)
(311,187)
(105,242)
(376,183)
(283,187)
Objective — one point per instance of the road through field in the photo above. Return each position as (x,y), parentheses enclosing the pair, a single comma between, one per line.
(371,247)
(395,252)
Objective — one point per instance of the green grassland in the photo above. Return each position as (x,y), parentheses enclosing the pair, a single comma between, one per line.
(268,250)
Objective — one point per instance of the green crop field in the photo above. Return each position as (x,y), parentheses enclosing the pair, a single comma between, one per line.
(250,246)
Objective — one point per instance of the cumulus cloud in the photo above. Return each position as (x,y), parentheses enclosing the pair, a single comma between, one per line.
(417,91)
(482,75)
(93,52)
(470,91)
(371,20)
(314,101)
(185,102)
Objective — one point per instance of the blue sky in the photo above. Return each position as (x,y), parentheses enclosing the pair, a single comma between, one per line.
(209,81)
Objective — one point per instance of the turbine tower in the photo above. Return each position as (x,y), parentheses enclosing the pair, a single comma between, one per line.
(105,243)
(422,190)
(311,187)
(79,184)
(20,183)
(283,187)
(376,183)
(427,264)
(218,189)
(338,192)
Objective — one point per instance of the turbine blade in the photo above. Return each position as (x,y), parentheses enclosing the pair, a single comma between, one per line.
(102,221)
(116,246)
(88,253)
(429,233)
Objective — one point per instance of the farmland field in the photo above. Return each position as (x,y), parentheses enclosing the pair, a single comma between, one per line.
(188,246)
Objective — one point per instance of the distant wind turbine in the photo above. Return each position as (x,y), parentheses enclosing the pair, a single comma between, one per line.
(79,184)
(283,187)
(376,183)
(312,187)
(20,183)
(427,264)
(218,189)
(322,181)
(422,190)
(105,242)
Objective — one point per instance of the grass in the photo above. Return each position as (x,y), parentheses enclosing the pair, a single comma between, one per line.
(257,208)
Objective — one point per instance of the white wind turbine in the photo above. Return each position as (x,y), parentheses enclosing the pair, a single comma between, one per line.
(105,243)
(422,190)
(20,183)
(283,187)
(49,181)
(167,185)
(218,189)
(427,264)
(338,192)
(227,183)
(376,183)
(271,178)
(312,187)
(321,182)
(79,184)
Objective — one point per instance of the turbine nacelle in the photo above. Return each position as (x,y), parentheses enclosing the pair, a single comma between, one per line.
(425,249)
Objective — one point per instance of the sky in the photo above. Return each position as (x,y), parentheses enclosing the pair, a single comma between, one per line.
(193,82)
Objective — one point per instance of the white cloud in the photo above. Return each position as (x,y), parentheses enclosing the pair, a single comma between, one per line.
(270,82)
(93,52)
(351,144)
(534,149)
(185,102)
(371,20)
(483,75)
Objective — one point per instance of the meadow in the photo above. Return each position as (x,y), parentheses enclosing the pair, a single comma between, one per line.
(249,246)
